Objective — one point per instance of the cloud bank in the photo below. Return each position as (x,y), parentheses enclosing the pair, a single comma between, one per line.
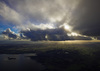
(37,12)
(45,17)
(49,34)
(8,34)
(58,34)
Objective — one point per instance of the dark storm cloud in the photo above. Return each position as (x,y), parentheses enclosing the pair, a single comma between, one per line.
(86,18)
(9,34)
(49,34)
(58,34)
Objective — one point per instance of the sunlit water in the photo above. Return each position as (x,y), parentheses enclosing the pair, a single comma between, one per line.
(46,42)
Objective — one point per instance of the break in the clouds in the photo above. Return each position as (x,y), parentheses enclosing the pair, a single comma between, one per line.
(41,17)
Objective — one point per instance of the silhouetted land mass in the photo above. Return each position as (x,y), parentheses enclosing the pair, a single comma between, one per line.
(60,56)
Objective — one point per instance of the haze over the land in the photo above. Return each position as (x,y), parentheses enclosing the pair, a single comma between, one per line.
(49,19)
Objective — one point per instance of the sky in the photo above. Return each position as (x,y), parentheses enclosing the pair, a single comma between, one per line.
(49,20)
